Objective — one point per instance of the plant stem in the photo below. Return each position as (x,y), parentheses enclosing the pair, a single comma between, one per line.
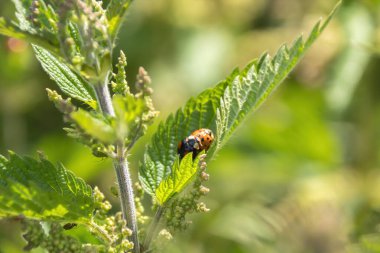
(104,98)
(126,196)
(120,164)
(153,227)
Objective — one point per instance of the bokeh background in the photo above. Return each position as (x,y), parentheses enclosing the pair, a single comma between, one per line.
(302,174)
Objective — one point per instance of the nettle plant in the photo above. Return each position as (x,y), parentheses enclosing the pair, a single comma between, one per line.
(74,41)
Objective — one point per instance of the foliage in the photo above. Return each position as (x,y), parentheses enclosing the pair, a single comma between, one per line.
(221,108)
(69,82)
(37,189)
(73,41)
(182,173)
(116,11)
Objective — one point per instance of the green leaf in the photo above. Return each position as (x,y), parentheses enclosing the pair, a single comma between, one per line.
(94,125)
(39,190)
(222,108)
(11,30)
(22,14)
(182,173)
(128,110)
(116,11)
(68,81)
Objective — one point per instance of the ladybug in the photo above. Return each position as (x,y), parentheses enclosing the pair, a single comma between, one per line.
(197,141)
(205,136)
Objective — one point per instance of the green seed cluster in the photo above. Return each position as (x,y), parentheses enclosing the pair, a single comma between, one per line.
(139,195)
(189,203)
(58,242)
(63,105)
(120,85)
(79,29)
(162,240)
(53,240)
(144,91)
(92,15)
(102,206)
(115,227)
(33,234)
(143,81)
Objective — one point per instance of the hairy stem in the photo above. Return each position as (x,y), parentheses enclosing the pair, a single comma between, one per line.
(153,227)
(121,167)
(126,196)
(104,98)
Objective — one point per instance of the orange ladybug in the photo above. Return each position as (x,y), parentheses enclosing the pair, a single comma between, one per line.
(205,136)
(197,141)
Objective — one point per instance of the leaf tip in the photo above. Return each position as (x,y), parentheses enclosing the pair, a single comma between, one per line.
(332,13)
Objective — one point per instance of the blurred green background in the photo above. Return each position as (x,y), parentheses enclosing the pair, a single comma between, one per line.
(301,175)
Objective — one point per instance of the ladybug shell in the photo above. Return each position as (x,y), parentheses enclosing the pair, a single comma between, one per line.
(205,136)
(189,144)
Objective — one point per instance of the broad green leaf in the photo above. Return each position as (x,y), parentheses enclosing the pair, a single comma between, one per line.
(196,114)
(182,173)
(222,108)
(97,127)
(68,81)
(39,190)
(116,11)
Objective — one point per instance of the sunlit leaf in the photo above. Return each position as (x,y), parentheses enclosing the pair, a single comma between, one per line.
(37,189)
(68,81)
(97,127)
(222,108)
(182,173)
(116,11)
(128,110)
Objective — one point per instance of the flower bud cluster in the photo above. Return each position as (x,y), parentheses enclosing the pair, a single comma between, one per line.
(93,29)
(102,206)
(114,226)
(143,81)
(53,239)
(43,21)
(58,242)
(141,100)
(120,85)
(33,233)
(189,203)
(63,105)
(144,91)
(76,29)
(162,240)
(139,195)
